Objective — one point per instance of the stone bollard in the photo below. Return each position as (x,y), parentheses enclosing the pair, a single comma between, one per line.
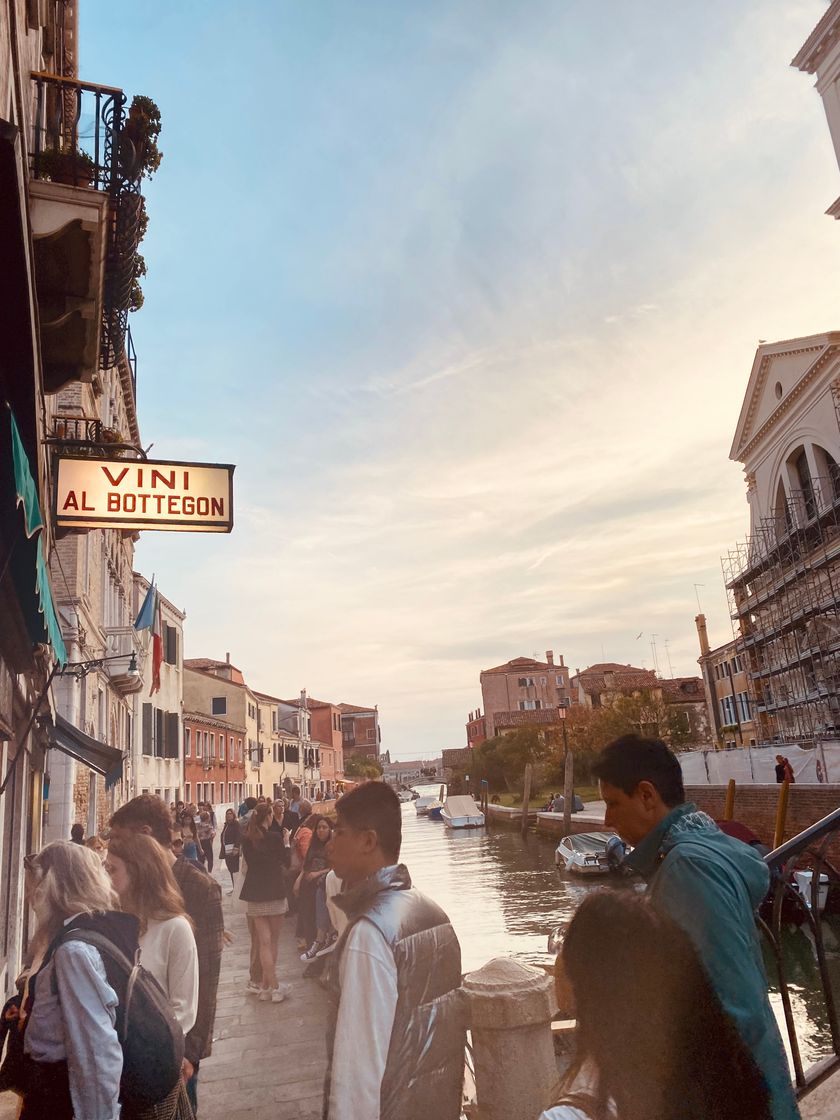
(510,1020)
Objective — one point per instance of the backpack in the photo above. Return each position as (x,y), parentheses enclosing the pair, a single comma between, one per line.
(152,1041)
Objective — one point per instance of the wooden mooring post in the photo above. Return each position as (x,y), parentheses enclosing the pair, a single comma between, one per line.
(568,791)
(526,798)
(729,805)
(781,814)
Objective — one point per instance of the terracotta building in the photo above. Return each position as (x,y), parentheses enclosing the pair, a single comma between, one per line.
(361,736)
(522,685)
(476,729)
(214,760)
(729,695)
(326,727)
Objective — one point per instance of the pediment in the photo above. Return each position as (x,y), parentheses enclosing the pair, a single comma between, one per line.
(780,372)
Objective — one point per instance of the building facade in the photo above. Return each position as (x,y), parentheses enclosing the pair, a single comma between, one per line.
(728,691)
(522,685)
(820,55)
(214,762)
(782,581)
(220,709)
(325,720)
(157,754)
(361,736)
(476,729)
(399,773)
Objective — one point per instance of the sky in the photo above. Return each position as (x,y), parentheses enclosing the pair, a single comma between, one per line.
(469,291)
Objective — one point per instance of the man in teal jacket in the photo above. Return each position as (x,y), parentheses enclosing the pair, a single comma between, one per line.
(710,883)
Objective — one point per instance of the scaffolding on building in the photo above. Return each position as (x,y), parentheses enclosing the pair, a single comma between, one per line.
(783,586)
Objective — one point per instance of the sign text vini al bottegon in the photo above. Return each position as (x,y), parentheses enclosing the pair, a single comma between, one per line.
(144,494)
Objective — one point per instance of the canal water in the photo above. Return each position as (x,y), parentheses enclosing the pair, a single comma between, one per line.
(504,896)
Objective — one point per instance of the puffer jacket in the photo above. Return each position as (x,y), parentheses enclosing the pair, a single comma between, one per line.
(711,885)
(425,1064)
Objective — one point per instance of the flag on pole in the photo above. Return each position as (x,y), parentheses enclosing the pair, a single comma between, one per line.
(149,619)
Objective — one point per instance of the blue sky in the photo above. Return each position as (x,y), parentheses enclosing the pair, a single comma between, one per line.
(470,293)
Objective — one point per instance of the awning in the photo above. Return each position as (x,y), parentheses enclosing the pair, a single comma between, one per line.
(99,757)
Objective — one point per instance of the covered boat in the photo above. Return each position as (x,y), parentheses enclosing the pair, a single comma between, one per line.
(462,812)
(423,804)
(590,853)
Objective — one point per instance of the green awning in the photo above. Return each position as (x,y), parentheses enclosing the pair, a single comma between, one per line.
(26,491)
(99,757)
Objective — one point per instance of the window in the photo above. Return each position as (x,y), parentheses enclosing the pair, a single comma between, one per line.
(542,680)
(160,733)
(148,747)
(559,682)
(370,733)
(727,710)
(187,792)
(529,705)
(212,793)
(526,682)
(187,745)
(218,706)
(213,744)
(744,706)
(170,644)
(172,729)
(239,745)
(221,748)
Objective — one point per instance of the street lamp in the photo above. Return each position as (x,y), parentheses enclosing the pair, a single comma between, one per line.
(80,669)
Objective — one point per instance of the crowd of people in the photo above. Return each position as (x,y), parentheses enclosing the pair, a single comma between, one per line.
(667,987)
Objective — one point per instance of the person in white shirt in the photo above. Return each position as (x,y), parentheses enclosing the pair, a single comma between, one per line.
(396,1035)
(143,879)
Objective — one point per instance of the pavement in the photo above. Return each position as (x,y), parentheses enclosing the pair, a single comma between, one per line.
(269,1059)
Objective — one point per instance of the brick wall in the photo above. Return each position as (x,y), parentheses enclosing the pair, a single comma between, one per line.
(755,806)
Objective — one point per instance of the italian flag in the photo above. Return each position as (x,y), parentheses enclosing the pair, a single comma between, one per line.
(149,619)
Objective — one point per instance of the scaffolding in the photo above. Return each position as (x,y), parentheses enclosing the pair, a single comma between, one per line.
(783,585)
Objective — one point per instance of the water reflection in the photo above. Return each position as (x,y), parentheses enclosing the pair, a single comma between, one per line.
(500,890)
(504,897)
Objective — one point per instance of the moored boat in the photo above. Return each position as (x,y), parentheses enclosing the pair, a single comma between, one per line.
(462,812)
(423,804)
(589,853)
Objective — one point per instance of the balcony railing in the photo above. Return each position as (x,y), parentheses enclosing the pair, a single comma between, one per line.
(812,904)
(85,436)
(79,139)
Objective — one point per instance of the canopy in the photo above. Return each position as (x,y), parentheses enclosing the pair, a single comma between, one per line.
(97,756)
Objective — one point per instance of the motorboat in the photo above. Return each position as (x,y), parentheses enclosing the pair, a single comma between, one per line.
(435,812)
(590,853)
(423,804)
(405,794)
(462,812)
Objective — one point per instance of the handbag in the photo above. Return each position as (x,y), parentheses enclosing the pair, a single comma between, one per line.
(12,1029)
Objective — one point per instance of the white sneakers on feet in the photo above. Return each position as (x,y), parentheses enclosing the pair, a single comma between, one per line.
(276,995)
(252,989)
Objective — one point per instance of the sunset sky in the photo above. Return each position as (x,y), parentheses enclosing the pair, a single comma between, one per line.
(469,290)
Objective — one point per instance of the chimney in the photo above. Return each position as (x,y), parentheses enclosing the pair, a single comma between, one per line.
(562,662)
(227,659)
(703,635)
(549,656)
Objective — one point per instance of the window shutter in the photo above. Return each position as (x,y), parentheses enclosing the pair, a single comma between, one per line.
(159,725)
(172,723)
(171,645)
(147,729)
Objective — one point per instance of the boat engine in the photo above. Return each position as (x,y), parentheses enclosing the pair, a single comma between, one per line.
(616,850)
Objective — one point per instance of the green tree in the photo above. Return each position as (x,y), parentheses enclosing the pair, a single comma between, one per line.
(359,768)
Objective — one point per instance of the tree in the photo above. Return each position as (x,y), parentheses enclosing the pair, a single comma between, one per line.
(361,769)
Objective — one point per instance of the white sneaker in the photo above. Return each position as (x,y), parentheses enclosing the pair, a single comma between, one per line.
(265,994)
(278,995)
(252,989)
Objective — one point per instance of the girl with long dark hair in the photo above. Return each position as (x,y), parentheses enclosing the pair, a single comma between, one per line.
(653,1041)
(266,859)
(231,842)
(313,922)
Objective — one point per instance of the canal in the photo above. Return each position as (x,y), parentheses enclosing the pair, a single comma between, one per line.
(504,897)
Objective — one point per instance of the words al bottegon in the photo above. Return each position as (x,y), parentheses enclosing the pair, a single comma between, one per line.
(143,494)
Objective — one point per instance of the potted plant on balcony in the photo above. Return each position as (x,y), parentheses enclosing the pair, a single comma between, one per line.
(139,152)
(73,167)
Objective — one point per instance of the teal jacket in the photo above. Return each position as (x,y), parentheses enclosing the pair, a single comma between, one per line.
(711,885)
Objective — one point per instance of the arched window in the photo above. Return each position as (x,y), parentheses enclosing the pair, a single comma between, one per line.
(806,486)
(784,524)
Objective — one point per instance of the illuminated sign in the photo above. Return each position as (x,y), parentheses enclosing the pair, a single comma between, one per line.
(143,494)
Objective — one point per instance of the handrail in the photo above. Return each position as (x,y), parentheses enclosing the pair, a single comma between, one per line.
(789,901)
(91,87)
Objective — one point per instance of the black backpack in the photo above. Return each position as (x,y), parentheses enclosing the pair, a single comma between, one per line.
(151,1039)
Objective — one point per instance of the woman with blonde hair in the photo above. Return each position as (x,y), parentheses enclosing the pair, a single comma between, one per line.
(72,1055)
(142,877)
(267,856)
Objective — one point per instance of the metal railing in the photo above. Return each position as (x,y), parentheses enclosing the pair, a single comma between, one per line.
(131,358)
(79,138)
(804,903)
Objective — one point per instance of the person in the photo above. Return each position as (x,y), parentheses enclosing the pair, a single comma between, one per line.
(206,834)
(142,877)
(230,845)
(652,1038)
(294,804)
(266,858)
(73,1055)
(709,883)
(780,768)
(789,774)
(300,846)
(179,812)
(397,958)
(203,904)
(77,833)
(96,845)
(246,808)
(191,847)
(315,923)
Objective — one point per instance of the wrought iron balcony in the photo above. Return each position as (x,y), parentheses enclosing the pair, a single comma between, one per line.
(83,434)
(80,140)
